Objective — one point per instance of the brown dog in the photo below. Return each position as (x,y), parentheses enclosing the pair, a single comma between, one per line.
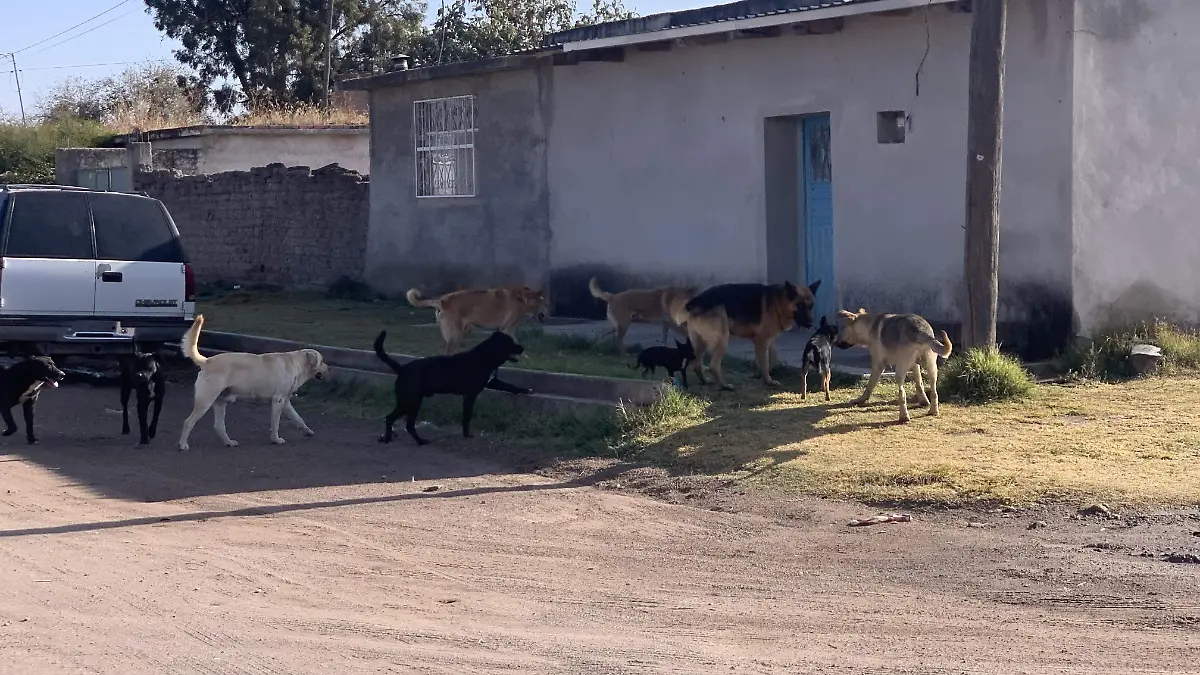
(492,308)
(905,341)
(757,312)
(663,304)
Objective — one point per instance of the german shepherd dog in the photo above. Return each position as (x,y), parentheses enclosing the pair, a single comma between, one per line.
(757,312)
(673,359)
(499,309)
(905,341)
(20,384)
(663,304)
(466,375)
(819,357)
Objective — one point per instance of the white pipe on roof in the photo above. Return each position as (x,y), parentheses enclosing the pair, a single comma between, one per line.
(749,23)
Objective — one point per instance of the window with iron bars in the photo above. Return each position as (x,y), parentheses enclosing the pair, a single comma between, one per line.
(444,139)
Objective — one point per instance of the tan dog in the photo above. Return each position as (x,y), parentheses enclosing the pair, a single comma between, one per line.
(225,377)
(757,312)
(499,309)
(905,341)
(663,304)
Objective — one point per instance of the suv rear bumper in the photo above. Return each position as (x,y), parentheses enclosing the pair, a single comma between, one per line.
(90,335)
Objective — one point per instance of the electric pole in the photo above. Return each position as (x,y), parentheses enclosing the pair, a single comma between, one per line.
(985,141)
(17,74)
(328,51)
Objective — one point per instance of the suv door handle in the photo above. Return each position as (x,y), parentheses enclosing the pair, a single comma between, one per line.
(112,277)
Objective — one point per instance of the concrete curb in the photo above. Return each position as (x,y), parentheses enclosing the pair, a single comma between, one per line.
(562,385)
(541,403)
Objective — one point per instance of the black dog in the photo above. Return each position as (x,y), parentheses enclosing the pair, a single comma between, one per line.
(21,383)
(819,357)
(464,374)
(143,374)
(673,359)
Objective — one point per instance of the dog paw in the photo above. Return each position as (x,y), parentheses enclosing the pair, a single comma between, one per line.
(859,402)
(231,443)
(9,432)
(309,433)
(152,432)
(32,441)
(904,419)
(183,447)
(771,383)
(422,442)
(383,439)
(278,441)
(124,431)
(526,391)
(143,442)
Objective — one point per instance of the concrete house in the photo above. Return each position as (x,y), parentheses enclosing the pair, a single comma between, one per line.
(211,149)
(806,139)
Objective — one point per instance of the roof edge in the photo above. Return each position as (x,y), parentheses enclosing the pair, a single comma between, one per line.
(517,61)
(742,15)
(217,129)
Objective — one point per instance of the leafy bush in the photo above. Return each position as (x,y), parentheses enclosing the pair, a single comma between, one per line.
(984,375)
(27,152)
(1107,356)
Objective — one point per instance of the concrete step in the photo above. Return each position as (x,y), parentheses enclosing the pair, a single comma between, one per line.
(565,385)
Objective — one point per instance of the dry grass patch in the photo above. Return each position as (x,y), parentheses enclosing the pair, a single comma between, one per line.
(1136,443)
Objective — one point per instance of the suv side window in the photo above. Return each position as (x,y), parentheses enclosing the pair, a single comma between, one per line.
(134,229)
(49,224)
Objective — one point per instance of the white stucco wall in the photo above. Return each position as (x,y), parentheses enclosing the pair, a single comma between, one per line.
(1137,161)
(657,163)
(244,149)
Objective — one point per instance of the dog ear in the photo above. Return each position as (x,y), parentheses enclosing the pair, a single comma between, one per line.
(861,311)
(824,321)
(790,289)
(814,286)
(848,315)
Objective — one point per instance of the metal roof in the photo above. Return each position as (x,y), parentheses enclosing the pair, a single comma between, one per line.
(745,9)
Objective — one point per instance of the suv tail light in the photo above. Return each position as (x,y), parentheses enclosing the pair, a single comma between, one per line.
(189,284)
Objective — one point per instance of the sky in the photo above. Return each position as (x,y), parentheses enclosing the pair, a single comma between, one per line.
(122,36)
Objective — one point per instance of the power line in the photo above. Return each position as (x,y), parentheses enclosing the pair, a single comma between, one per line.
(78,35)
(88,65)
(123,2)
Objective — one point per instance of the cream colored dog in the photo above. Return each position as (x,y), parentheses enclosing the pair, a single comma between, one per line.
(225,377)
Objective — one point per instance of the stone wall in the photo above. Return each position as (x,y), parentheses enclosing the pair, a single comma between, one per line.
(292,227)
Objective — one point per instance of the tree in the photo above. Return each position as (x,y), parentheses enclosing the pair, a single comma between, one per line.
(147,96)
(265,52)
(474,29)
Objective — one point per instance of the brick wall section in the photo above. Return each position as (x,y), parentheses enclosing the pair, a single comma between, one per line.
(293,227)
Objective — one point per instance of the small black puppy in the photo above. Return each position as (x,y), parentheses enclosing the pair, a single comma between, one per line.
(142,373)
(673,359)
(818,356)
(463,374)
(21,383)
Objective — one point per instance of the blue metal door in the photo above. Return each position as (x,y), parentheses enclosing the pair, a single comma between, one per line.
(817,207)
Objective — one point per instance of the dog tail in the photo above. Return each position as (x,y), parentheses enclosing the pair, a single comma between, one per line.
(594,287)
(414,299)
(942,346)
(383,356)
(191,342)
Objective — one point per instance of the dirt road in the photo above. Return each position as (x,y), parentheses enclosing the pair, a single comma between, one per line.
(323,556)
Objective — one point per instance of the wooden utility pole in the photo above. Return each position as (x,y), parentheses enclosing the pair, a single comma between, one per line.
(985,141)
(328,50)
(17,75)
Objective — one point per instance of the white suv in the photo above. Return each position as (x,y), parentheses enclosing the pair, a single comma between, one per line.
(89,272)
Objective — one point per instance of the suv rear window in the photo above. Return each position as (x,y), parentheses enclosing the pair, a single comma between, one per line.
(49,224)
(134,229)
